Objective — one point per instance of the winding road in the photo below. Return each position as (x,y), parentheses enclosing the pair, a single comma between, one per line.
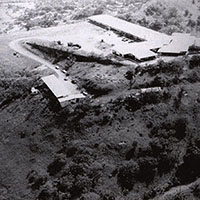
(17,45)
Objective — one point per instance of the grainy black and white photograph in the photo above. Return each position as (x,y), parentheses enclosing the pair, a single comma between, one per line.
(99,99)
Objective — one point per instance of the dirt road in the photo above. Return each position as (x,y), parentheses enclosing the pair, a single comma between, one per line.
(17,46)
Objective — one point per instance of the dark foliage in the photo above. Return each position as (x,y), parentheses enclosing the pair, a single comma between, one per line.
(56,166)
(196,191)
(189,170)
(165,163)
(127,175)
(176,129)
(180,128)
(170,68)
(96,89)
(194,61)
(131,153)
(35,180)
(147,169)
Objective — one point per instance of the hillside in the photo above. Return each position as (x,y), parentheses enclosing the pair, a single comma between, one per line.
(167,16)
(119,144)
(134,137)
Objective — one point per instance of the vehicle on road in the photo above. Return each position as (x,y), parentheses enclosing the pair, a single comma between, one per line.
(64,71)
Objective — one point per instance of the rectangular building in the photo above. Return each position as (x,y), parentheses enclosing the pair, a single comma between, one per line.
(130,30)
(63,90)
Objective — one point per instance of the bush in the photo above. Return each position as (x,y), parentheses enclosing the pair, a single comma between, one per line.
(158,146)
(56,166)
(35,180)
(132,103)
(83,13)
(156,25)
(147,169)
(196,190)
(194,61)
(96,89)
(127,175)
(189,170)
(180,128)
(165,163)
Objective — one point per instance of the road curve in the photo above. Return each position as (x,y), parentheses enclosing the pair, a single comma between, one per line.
(17,46)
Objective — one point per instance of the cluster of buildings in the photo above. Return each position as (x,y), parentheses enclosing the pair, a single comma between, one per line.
(139,43)
(145,44)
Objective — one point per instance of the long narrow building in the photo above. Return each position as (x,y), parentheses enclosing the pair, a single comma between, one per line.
(143,40)
(63,91)
(130,30)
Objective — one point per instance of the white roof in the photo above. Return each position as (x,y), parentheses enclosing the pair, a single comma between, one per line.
(197,42)
(127,27)
(140,52)
(179,44)
(56,86)
(63,90)
(70,97)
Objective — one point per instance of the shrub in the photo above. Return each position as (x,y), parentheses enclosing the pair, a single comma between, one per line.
(147,169)
(165,163)
(35,180)
(196,190)
(56,166)
(156,25)
(108,196)
(189,170)
(180,128)
(129,75)
(131,153)
(132,103)
(157,146)
(193,77)
(90,196)
(194,61)
(83,13)
(127,175)
(191,23)
(96,89)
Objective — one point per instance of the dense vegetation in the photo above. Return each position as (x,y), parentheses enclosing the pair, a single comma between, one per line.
(119,143)
(90,162)
(114,148)
(16,85)
(157,15)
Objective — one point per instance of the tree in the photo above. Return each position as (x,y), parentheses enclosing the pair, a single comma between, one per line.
(129,76)
(147,169)
(69,62)
(198,21)
(127,174)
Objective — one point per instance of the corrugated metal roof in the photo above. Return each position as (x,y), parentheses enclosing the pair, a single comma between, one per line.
(127,27)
